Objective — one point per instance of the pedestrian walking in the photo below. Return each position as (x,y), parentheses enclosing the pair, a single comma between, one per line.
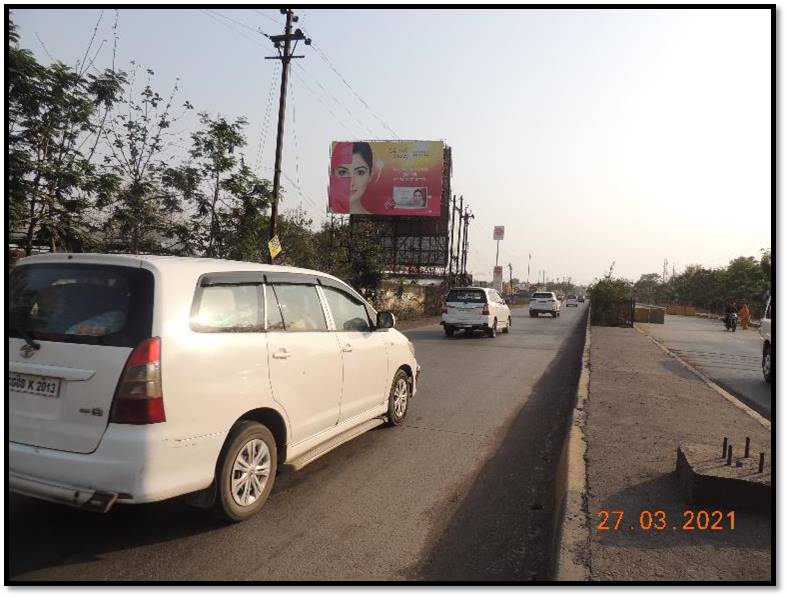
(744,315)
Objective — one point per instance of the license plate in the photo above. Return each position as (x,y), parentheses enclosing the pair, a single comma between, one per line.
(37,385)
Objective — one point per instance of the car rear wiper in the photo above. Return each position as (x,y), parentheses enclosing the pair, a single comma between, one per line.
(28,337)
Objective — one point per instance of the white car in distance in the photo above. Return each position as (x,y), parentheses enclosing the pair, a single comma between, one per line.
(572,301)
(544,302)
(475,308)
(135,379)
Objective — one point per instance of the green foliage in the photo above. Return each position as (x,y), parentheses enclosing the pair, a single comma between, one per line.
(229,201)
(142,215)
(745,279)
(611,301)
(62,121)
(55,120)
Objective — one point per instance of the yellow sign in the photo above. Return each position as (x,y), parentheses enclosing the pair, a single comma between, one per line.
(274,246)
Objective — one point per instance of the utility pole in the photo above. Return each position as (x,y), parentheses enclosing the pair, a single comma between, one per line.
(510,279)
(528,271)
(451,243)
(282,44)
(467,217)
(459,234)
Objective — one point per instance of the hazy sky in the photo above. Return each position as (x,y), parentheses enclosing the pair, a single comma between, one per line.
(592,135)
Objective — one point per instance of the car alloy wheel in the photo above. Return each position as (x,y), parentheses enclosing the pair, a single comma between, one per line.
(766,366)
(250,472)
(401,396)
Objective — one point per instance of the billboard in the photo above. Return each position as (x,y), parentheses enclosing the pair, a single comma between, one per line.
(499,233)
(386,178)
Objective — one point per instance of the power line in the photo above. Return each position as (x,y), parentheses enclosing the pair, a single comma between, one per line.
(336,101)
(295,142)
(266,120)
(267,16)
(327,60)
(319,100)
(230,27)
(241,24)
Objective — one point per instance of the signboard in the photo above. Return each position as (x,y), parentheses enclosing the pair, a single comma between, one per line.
(499,233)
(387,178)
(497,278)
(274,246)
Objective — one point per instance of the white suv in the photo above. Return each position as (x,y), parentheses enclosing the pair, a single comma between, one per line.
(138,378)
(475,308)
(544,302)
(767,343)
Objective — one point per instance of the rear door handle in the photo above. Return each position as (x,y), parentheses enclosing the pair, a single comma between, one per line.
(282,354)
(347,348)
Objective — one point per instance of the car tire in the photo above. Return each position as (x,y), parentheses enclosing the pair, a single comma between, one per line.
(492,332)
(248,440)
(767,365)
(449,331)
(533,314)
(399,398)
(508,326)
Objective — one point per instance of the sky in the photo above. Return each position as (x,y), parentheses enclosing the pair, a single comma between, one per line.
(594,136)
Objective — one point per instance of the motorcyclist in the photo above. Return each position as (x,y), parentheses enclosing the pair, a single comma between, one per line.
(729,310)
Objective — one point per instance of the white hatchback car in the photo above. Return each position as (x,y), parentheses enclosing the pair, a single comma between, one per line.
(138,378)
(475,308)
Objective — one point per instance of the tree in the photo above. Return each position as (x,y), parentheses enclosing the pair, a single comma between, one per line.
(745,281)
(229,200)
(142,216)
(647,287)
(56,116)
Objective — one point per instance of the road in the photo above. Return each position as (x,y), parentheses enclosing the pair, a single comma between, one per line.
(731,359)
(462,491)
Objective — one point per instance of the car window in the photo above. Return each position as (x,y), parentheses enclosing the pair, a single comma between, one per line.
(300,308)
(228,308)
(543,295)
(460,295)
(349,314)
(81,303)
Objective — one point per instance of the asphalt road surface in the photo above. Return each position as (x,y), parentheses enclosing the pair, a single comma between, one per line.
(731,359)
(464,491)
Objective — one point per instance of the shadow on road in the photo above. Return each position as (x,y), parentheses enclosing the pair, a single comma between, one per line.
(503,530)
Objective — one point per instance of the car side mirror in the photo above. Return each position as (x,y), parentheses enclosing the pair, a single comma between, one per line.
(385,320)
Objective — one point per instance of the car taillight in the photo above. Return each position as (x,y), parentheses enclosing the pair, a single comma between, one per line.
(485,310)
(138,399)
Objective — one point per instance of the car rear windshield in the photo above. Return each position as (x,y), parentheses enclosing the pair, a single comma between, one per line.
(572,296)
(542,295)
(459,295)
(81,303)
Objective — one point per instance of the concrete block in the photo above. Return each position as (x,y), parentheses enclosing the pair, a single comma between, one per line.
(707,480)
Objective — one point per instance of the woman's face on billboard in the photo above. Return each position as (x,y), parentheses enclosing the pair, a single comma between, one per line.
(359,172)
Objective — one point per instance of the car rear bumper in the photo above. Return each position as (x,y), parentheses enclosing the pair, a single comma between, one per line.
(79,497)
(133,463)
(474,324)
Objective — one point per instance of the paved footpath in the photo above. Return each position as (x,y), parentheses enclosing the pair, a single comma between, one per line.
(641,404)
(731,359)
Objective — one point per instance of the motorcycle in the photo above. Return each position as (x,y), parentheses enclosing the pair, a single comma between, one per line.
(731,321)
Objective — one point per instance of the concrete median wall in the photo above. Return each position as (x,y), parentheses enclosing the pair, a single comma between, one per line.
(648,314)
